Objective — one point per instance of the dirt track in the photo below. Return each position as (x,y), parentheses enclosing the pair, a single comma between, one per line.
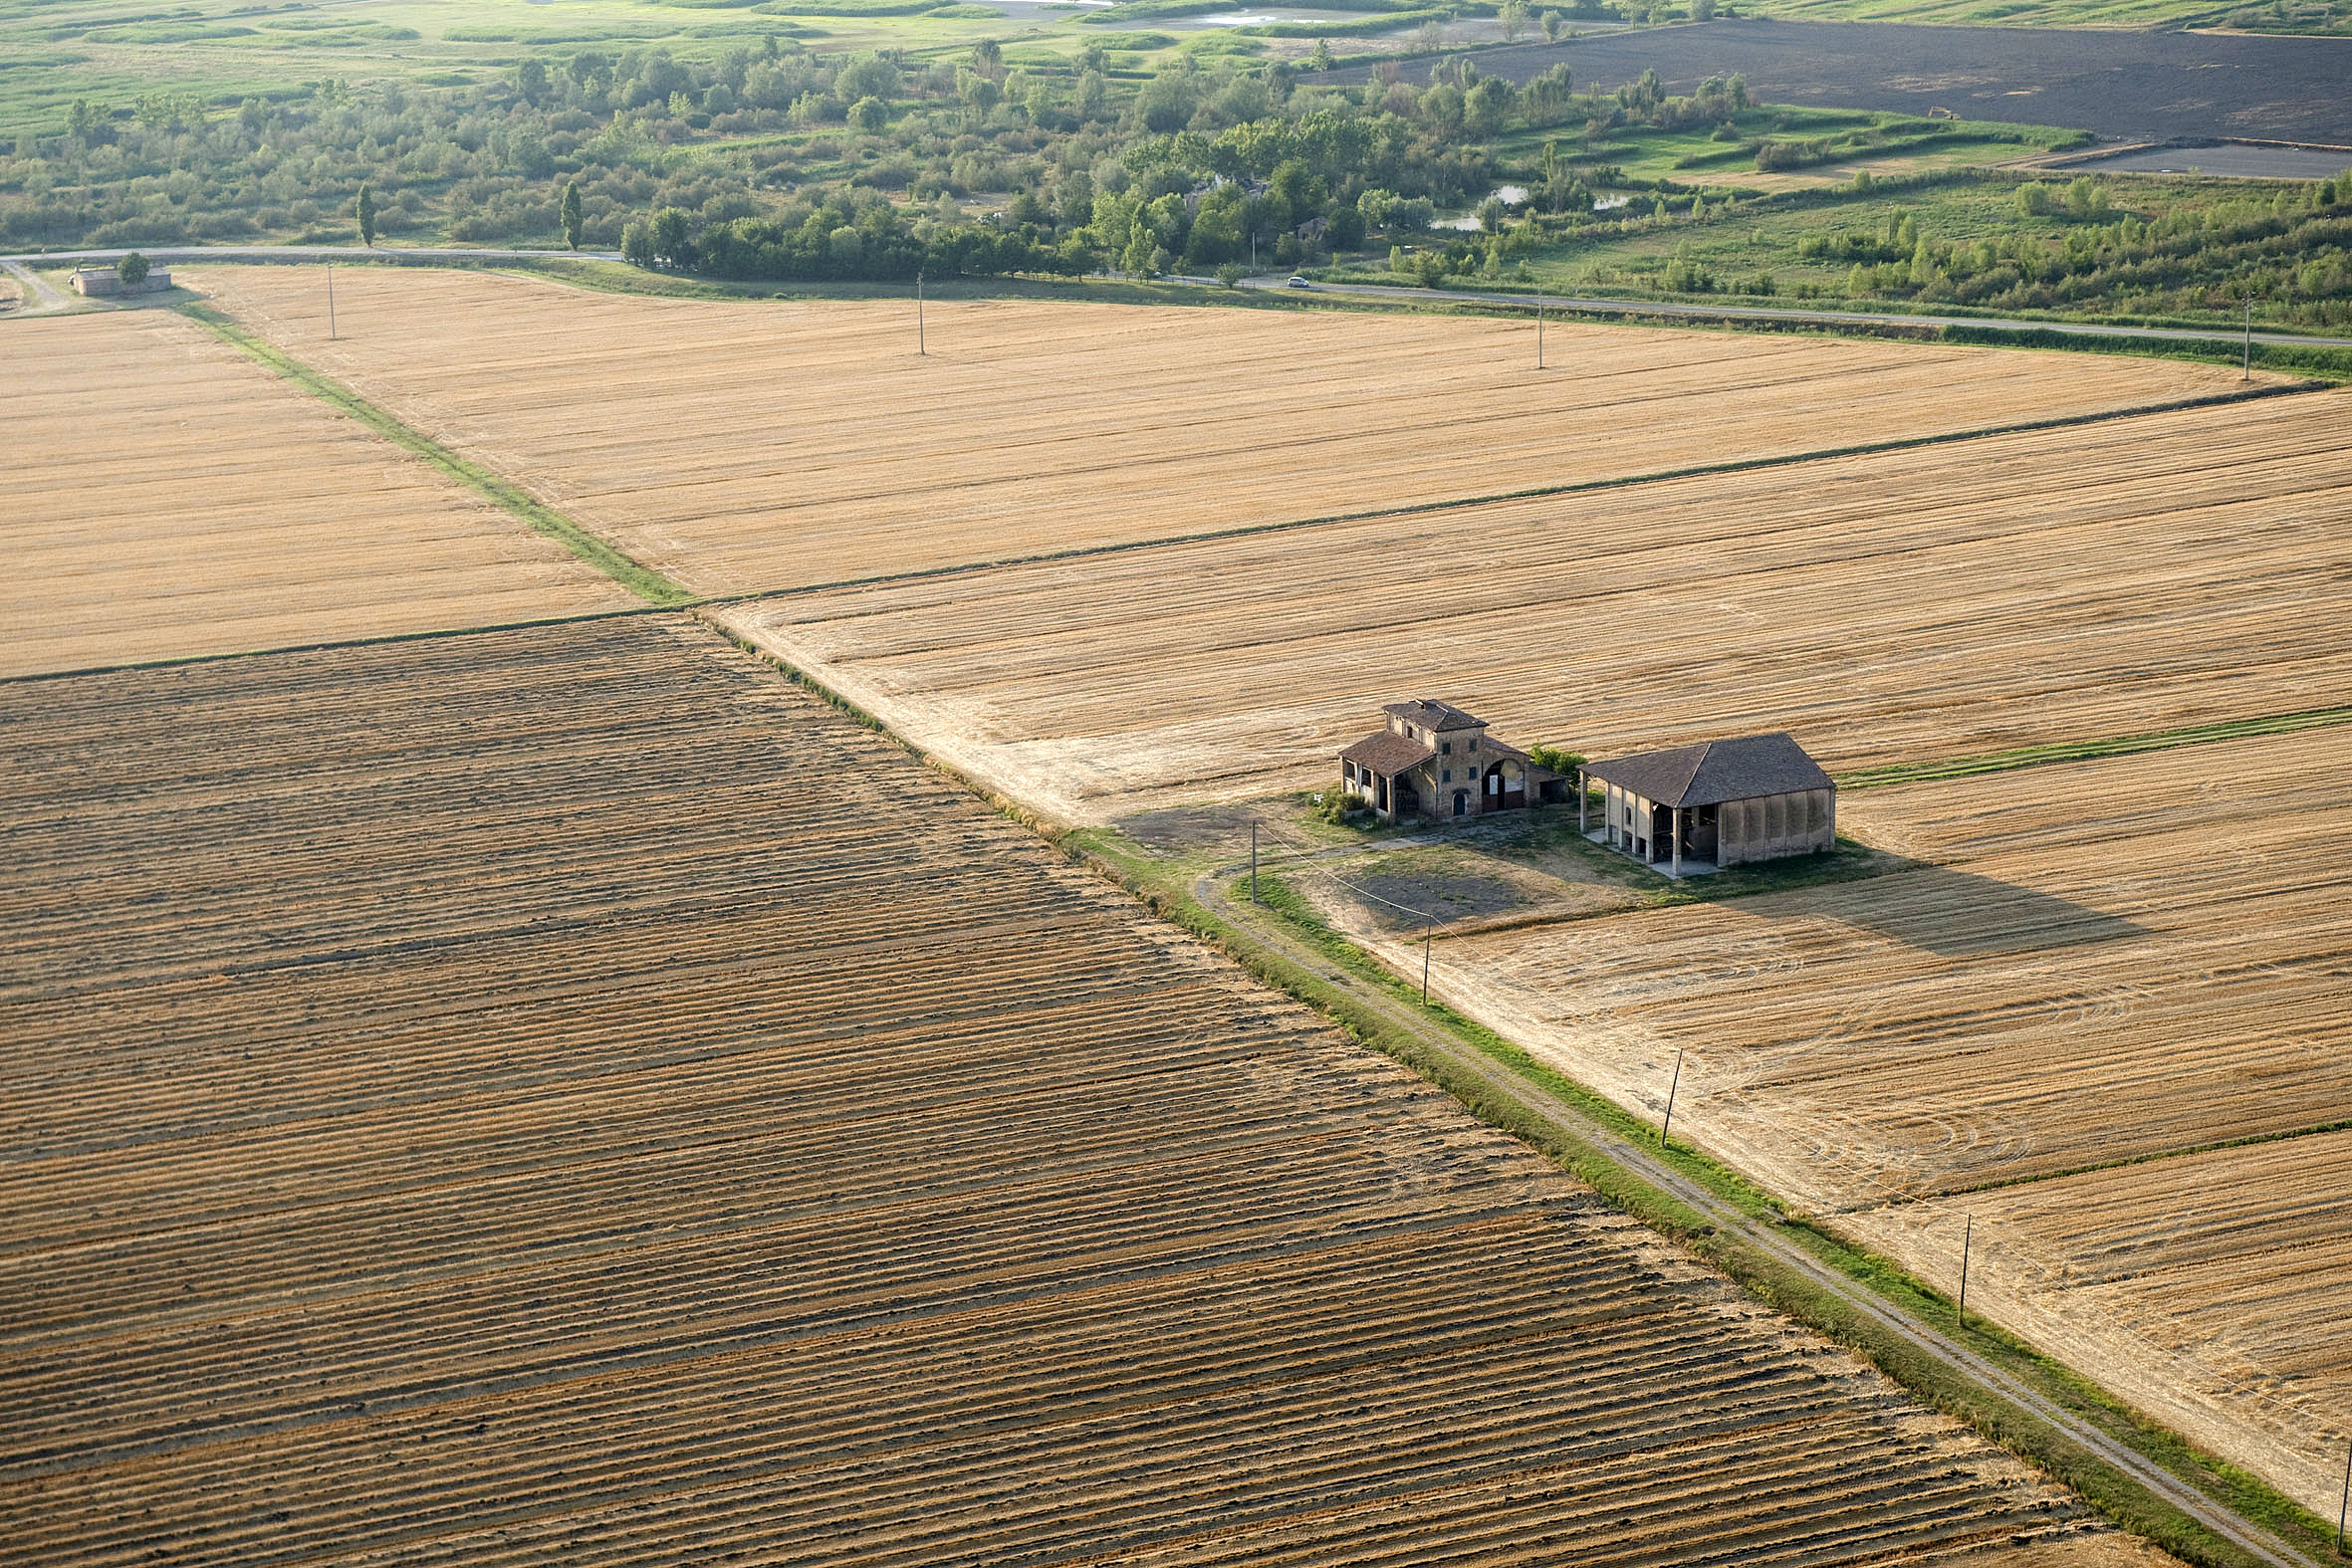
(566,1094)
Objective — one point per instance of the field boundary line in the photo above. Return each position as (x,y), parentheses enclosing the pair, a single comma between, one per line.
(329,645)
(631,574)
(1531,493)
(2185,1151)
(2089,751)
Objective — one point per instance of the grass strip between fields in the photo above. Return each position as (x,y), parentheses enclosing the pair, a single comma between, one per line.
(634,576)
(2084,751)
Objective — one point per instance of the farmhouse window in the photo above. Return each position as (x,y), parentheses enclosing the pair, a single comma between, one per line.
(1449,775)
(1444,748)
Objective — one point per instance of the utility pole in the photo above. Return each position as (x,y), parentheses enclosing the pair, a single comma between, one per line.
(1667,1126)
(1539,326)
(1967,1235)
(331,300)
(1252,860)
(2246,371)
(920,346)
(1426,928)
(2344,1507)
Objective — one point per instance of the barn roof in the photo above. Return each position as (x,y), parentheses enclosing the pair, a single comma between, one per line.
(1431,715)
(1387,753)
(1713,772)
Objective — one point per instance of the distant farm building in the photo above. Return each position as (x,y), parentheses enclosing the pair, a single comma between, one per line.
(1435,763)
(1718,804)
(105,281)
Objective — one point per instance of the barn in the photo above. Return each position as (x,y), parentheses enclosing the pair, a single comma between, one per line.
(1718,804)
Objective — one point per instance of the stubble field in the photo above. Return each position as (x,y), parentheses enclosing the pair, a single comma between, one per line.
(749,447)
(565,1094)
(2111,578)
(165,496)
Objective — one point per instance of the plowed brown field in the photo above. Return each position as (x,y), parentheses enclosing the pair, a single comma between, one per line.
(741,447)
(565,1095)
(2107,961)
(2103,580)
(164,496)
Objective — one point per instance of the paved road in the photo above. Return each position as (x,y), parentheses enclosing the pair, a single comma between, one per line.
(1748,313)
(1735,313)
(280,253)
(1210,890)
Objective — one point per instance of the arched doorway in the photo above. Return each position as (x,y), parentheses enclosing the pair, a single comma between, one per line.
(1461,802)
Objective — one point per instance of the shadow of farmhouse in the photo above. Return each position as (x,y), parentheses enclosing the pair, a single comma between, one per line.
(1951,912)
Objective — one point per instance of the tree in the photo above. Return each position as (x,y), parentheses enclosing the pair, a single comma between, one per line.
(570,213)
(636,244)
(670,240)
(133,270)
(531,78)
(988,58)
(1512,16)
(869,113)
(1551,27)
(366,214)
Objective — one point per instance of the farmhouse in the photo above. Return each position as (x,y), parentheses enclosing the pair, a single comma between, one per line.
(1717,803)
(1436,763)
(105,281)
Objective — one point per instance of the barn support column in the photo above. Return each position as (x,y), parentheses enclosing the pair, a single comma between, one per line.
(1580,829)
(1673,830)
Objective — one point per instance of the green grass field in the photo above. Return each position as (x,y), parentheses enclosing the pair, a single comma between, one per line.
(225,50)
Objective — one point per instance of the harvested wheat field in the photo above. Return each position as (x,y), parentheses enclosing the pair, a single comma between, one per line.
(2213,1289)
(750,446)
(563,1094)
(167,496)
(2104,580)
(2106,960)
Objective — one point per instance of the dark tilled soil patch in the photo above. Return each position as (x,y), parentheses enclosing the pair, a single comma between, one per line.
(2137,86)
(1447,897)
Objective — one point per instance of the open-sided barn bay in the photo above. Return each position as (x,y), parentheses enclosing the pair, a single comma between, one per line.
(563,1093)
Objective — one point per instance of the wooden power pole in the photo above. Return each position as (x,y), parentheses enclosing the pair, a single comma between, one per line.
(1667,1126)
(1967,1235)
(331,298)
